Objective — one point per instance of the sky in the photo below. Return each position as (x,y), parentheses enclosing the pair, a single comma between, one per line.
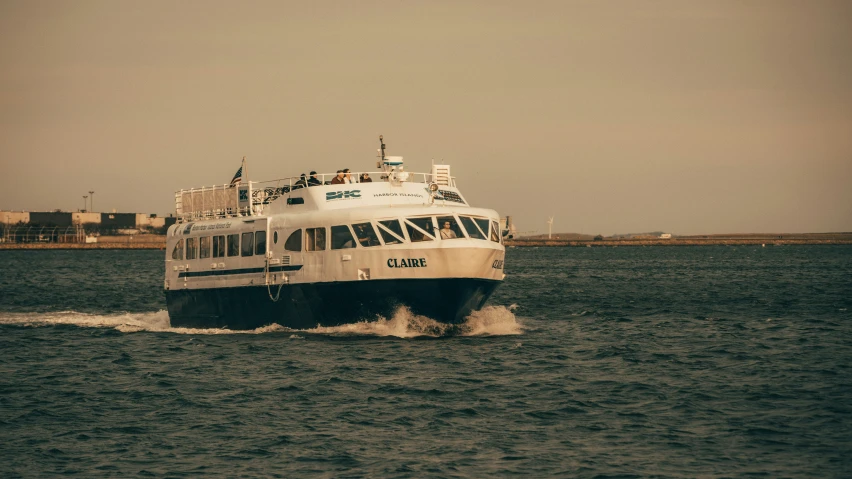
(688,117)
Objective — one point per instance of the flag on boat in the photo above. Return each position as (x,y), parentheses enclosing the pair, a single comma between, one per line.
(238,177)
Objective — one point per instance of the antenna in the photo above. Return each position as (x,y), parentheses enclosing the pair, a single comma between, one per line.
(381,155)
(549,227)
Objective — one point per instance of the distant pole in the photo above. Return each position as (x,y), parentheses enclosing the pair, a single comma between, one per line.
(92,201)
(85,202)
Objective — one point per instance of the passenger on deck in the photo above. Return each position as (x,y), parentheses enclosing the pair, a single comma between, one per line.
(338,180)
(347,177)
(447,232)
(301,183)
(313,181)
(365,178)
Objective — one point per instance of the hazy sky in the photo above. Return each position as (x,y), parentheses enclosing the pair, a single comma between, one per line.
(613,116)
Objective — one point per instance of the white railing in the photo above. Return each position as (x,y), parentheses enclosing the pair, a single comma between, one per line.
(208,202)
(375,176)
(222,201)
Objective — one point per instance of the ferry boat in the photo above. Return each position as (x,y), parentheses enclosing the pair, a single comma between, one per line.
(306,252)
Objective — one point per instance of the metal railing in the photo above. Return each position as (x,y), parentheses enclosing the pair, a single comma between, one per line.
(43,234)
(223,201)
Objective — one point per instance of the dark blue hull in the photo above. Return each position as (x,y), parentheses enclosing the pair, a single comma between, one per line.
(303,306)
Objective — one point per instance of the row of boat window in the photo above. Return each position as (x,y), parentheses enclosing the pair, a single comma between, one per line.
(367,234)
(221,246)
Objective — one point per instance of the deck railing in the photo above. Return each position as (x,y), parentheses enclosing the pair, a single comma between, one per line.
(223,201)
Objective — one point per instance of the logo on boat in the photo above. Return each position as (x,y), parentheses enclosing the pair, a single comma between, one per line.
(342,195)
(244,195)
(407,263)
(497,264)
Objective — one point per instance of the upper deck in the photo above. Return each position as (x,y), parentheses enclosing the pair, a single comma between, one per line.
(296,194)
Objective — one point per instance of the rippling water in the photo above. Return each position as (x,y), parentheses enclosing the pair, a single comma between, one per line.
(589,362)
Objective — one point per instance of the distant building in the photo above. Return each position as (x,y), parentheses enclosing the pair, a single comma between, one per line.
(666,236)
(110,221)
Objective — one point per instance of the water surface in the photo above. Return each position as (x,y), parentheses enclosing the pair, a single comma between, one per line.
(588,362)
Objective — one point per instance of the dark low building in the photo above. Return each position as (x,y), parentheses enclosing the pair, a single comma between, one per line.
(118,220)
(53,218)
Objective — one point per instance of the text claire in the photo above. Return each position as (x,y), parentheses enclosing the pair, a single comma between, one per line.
(407,263)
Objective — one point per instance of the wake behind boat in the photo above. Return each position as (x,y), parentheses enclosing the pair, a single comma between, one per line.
(303,252)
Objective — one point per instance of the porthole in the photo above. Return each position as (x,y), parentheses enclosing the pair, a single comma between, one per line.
(275,237)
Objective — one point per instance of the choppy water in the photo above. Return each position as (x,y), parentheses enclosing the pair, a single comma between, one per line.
(590,362)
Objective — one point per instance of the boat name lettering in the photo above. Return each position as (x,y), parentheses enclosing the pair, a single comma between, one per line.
(215,226)
(377,195)
(407,263)
(497,264)
(342,195)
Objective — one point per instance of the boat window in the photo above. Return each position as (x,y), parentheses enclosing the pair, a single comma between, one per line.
(191,249)
(294,241)
(234,244)
(420,229)
(219,246)
(484,225)
(247,244)
(449,228)
(471,228)
(366,235)
(260,242)
(177,253)
(391,232)
(204,248)
(495,232)
(314,239)
(341,237)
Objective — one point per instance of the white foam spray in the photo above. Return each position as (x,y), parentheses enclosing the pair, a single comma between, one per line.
(158,321)
(490,321)
(124,322)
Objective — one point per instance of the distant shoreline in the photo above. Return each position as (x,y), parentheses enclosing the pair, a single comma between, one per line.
(136,241)
(159,243)
(718,240)
(78,246)
(599,244)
